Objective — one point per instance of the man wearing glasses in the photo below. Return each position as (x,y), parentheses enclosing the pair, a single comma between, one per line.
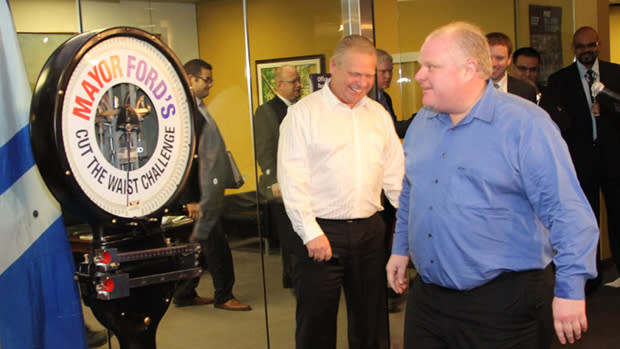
(267,121)
(526,66)
(590,126)
(203,198)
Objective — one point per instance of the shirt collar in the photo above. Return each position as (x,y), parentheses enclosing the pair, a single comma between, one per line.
(583,70)
(483,109)
(286,101)
(334,101)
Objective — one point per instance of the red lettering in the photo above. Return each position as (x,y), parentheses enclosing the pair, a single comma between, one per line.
(90,90)
(84,111)
(95,75)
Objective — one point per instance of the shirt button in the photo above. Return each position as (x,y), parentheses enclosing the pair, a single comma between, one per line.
(432,261)
(436,181)
(430,235)
(443,155)
(430,207)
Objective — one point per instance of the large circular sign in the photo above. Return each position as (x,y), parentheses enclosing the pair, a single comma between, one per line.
(120,124)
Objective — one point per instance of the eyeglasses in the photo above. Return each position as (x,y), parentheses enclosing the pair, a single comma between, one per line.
(524,69)
(208,79)
(584,46)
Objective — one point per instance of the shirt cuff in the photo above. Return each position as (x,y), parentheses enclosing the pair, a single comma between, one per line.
(311,230)
(400,250)
(570,287)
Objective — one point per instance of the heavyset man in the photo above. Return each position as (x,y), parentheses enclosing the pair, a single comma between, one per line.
(490,198)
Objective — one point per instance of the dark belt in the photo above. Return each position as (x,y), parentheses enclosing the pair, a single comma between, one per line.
(346,220)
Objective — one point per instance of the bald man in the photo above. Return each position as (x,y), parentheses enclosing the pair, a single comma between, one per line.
(591,128)
(267,121)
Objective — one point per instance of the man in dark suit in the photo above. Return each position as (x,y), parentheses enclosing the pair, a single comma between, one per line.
(526,66)
(385,66)
(267,121)
(501,55)
(207,182)
(591,127)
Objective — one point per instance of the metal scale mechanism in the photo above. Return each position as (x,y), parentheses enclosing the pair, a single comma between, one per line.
(112,134)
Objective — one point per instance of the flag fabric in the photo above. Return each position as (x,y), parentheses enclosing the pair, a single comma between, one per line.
(39,301)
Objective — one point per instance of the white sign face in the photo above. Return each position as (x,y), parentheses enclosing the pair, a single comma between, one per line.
(126,127)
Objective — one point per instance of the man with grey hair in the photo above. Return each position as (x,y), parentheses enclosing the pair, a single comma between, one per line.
(337,151)
(490,198)
(385,67)
(267,121)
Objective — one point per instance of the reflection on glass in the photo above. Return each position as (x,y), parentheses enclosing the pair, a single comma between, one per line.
(119,128)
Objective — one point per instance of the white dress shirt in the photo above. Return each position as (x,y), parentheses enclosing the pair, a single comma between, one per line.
(502,84)
(334,160)
(586,89)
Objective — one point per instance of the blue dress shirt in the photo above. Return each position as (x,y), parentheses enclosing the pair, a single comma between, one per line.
(495,193)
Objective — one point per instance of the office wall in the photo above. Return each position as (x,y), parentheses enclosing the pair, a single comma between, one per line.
(277,29)
(222,44)
(176,22)
(401,26)
(57,16)
(614,33)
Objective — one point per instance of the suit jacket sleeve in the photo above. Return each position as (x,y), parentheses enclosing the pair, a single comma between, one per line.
(267,130)
(522,89)
(214,172)
(552,102)
(191,190)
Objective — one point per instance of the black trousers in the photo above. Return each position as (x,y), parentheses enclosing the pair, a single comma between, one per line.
(358,267)
(602,173)
(511,311)
(217,259)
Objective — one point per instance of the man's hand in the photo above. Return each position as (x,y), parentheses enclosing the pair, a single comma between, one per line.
(319,249)
(396,273)
(569,319)
(193,210)
(275,190)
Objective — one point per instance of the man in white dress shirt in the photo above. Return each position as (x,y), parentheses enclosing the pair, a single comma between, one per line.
(337,150)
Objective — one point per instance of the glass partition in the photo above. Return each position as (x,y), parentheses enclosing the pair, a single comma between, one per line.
(244,41)
(540,24)
(302,34)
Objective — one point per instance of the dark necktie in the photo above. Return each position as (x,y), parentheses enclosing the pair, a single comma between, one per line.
(590,78)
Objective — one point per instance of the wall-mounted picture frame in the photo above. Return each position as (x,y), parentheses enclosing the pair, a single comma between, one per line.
(305,65)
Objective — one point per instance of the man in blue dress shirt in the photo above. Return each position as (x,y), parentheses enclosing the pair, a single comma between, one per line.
(490,198)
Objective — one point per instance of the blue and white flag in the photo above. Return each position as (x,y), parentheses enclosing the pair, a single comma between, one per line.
(39,302)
